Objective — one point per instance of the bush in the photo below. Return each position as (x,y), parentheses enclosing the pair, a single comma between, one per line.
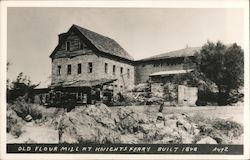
(235,96)
(206,98)
(16,130)
(126,100)
(170,92)
(14,123)
(229,128)
(23,109)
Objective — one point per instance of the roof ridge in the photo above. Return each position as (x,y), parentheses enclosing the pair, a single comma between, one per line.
(91,31)
(104,43)
(166,53)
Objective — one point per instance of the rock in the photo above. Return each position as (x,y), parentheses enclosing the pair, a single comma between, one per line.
(181,123)
(128,124)
(105,135)
(101,114)
(186,138)
(99,110)
(105,109)
(164,131)
(124,112)
(146,128)
(139,136)
(205,129)
(160,124)
(84,127)
(130,121)
(167,140)
(206,140)
(142,118)
(175,134)
(129,139)
(106,122)
(196,132)
(160,116)
(28,118)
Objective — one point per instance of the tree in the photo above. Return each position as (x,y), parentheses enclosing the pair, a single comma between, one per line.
(224,66)
(22,86)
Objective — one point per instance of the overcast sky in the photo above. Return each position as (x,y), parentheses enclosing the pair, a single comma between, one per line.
(33,32)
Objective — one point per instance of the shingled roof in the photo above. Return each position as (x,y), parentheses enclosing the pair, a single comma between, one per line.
(186,52)
(103,43)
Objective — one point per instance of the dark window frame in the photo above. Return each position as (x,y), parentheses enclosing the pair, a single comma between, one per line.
(69,69)
(106,67)
(114,68)
(90,67)
(59,67)
(121,70)
(68,45)
(128,73)
(79,68)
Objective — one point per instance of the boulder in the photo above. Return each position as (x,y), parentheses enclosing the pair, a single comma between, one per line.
(124,112)
(181,123)
(28,118)
(128,124)
(129,139)
(92,125)
(94,111)
(206,140)
(146,128)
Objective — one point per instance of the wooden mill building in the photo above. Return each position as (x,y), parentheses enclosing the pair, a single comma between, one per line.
(83,60)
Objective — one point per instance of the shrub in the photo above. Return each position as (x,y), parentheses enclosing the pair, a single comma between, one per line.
(14,123)
(23,109)
(16,130)
(170,92)
(229,128)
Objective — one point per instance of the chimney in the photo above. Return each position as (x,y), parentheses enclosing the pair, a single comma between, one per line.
(61,37)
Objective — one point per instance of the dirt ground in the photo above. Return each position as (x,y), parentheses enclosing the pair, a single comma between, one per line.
(233,113)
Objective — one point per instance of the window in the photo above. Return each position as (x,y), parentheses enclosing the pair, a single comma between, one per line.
(81,46)
(68,45)
(79,68)
(81,97)
(113,69)
(90,67)
(59,70)
(106,68)
(121,71)
(69,69)
(128,73)
(76,44)
(156,64)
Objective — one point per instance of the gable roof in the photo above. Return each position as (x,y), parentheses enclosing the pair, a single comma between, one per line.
(186,52)
(102,43)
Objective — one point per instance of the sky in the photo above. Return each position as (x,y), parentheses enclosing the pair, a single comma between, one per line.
(32,33)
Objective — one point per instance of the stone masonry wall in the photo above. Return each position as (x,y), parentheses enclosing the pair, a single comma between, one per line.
(98,68)
(142,71)
(83,56)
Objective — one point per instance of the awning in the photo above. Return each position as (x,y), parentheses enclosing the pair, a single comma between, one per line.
(84,83)
(167,73)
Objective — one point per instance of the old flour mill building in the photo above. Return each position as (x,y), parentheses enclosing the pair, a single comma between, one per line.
(84,60)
